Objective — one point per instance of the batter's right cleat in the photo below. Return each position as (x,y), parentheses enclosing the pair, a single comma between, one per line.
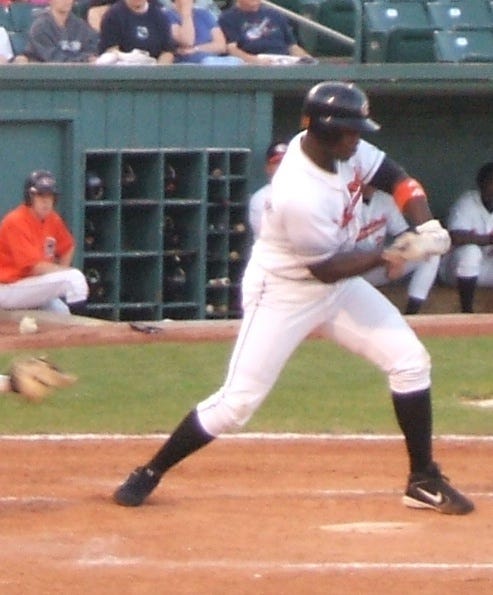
(430,489)
(137,487)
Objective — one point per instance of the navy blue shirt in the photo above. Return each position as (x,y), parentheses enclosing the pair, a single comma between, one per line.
(129,30)
(263,31)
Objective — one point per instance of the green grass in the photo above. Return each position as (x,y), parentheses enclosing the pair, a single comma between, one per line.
(148,388)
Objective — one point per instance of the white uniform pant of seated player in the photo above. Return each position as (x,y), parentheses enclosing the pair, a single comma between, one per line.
(52,291)
(423,275)
(350,312)
(468,261)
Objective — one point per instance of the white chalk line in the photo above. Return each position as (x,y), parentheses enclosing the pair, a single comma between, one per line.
(32,499)
(286,436)
(281,493)
(282,566)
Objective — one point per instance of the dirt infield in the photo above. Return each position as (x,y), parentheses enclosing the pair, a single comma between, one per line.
(243,516)
(75,331)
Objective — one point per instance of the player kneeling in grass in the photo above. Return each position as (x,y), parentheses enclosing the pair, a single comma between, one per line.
(304,274)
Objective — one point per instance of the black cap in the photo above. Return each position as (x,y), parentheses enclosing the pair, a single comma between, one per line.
(44,184)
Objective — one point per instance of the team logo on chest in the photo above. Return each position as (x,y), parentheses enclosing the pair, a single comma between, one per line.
(50,248)
(142,32)
(354,191)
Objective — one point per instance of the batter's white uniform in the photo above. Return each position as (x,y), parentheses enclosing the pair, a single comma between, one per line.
(469,213)
(381,220)
(312,215)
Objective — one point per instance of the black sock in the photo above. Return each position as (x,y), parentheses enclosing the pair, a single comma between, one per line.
(413,305)
(78,308)
(413,411)
(188,437)
(467,288)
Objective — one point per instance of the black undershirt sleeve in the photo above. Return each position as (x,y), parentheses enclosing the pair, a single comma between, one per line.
(387,175)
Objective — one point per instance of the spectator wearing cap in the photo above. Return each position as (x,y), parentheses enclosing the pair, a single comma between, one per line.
(273,158)
(36,252)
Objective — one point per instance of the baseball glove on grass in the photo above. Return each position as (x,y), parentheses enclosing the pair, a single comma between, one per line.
(35,378)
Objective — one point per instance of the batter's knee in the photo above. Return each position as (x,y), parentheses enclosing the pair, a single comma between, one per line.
(227,412)
(412,371)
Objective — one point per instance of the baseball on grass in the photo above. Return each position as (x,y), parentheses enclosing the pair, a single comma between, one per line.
(28,325)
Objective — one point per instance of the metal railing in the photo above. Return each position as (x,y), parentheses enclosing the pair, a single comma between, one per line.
(351,43)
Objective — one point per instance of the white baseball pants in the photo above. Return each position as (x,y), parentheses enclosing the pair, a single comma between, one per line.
(279,314)
(45,291)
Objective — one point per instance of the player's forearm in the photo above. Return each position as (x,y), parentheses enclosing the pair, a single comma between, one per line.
(462,237)
(417,210)
(347,264)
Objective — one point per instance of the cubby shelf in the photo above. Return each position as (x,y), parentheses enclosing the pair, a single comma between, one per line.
(165,232)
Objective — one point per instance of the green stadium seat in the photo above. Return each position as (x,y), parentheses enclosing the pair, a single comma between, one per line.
(18,41)
(463,46)
(397,32)
(342,16)
(22,15)
(460,14)
(5,20)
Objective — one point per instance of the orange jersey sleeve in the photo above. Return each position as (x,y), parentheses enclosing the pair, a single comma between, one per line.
(26,241)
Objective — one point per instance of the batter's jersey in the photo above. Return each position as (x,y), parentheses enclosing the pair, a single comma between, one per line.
(469,213)
(312,214)
(380,219)
(25,241)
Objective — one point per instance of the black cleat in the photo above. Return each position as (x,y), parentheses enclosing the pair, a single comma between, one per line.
(138,485)
(430,489)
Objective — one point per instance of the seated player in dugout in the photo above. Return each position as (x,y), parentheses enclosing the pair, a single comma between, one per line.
(381,222)
(273,157)
(36,253)
(470,223)
(304,275)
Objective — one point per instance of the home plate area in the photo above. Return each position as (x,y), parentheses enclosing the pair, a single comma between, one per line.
(249,514)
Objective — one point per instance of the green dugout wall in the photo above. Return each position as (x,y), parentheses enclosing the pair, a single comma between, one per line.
(211,125)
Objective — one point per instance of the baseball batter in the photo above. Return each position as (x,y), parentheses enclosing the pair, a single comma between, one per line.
(470,223)
(305,274)
(36,251)
(380,220)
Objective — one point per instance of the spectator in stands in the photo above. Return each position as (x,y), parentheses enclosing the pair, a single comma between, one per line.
(200,39)
(97,9)
(381,221)
(273,157)
(137,25)
(58,35)
(36,252)
(470,223)
(254,31)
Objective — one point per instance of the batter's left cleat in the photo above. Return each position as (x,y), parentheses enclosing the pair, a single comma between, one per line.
(430,489)
(137,487)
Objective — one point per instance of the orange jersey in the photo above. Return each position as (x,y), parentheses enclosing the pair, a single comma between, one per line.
(26,241)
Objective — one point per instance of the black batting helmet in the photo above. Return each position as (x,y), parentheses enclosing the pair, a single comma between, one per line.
(94,186)
(40,181)
(334,104)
